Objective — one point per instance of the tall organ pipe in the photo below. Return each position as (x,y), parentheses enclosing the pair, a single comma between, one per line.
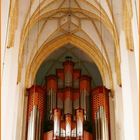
(76,101)
(76,92)
(76,77)
(85,85)
(98,126)
(105,134)
(67,101)
(36,107)
(79,123)
(68,72)
(100,112)
(51,95)
(60,76)
(68,122)
(37,125)
(60,98)
(101,127)
(57,118)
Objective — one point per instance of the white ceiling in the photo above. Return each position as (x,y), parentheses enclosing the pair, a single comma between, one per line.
(41,21)
(91,20)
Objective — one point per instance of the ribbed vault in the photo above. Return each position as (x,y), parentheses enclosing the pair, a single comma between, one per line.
(94,21)
(88,49)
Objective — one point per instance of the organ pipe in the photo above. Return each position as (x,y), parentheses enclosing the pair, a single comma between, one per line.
(68,114)
(73,132)
(79,123)
(101,127)
(68,71)
(63,131)
(100,112)
(37,124)
(76,77)
(40,130)
(60,77)
(36,107)
(34,119)
(68,121)
(51,95)
(76,99)
(60,98)
(57,119)
(68,101)
(85,83)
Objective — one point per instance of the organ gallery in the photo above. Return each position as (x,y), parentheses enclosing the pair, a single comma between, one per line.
(68,107)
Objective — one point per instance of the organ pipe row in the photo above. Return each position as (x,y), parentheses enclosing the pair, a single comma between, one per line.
(68,102)
(36,109)
(101,113)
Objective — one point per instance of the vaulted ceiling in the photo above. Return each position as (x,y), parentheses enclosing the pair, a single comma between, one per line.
(91,20)
(41,21)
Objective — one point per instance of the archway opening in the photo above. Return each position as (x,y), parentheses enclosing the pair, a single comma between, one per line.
(68,99)
(82,61)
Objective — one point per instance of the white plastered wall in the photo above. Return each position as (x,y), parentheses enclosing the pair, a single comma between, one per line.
(11,91)
(129,92)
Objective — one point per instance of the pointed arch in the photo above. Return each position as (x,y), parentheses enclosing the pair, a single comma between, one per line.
(48,48)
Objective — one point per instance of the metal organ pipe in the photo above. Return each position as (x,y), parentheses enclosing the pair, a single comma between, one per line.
(34,119)
(76,100)
(67,101)
(37,125)
(68,121)
(68,107)
(98,129)
(51,95)
(60,98)
(60,77)
(100,112)
(76,91)
(36,107)
(40,129)
(79,123)
(57,119)
(104,128)
(76,78)
(85,85)
(73,132)
(63,128)
(68,72)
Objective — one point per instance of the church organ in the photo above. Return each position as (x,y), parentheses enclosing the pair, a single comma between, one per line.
(68,108)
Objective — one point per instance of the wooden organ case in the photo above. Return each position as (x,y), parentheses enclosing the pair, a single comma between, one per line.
(68,108)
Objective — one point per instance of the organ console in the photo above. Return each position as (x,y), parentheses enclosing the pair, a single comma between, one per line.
(69,107)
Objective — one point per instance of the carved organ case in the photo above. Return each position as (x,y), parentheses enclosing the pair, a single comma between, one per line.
(67,107)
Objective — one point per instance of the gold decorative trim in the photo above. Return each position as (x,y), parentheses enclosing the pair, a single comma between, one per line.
(127,25)
(13,23)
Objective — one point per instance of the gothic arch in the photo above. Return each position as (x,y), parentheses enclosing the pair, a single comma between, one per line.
(59,42)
